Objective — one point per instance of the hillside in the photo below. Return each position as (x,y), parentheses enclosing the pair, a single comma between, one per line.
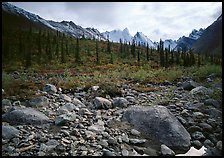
(211,40)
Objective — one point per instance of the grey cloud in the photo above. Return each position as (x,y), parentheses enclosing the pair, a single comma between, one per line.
(217,13)
(93,12)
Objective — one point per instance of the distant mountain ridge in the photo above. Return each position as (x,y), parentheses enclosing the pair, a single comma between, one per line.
(185,43)
(70,28)
(210,41)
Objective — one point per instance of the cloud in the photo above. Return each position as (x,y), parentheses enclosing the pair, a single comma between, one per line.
(93,13)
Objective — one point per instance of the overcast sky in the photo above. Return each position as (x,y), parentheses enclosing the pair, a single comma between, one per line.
(165,20)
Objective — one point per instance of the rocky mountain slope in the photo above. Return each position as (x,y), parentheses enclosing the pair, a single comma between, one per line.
(185,43)
(210,41)
(69,28)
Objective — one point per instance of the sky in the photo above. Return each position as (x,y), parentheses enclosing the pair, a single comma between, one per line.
(157,20)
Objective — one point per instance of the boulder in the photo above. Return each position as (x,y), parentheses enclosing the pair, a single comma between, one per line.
(50,88)
(39,101)
(166,151)
(65,97)
(159,123)
(6,105)
(65,118)
(102,103)
(78,103)
(21,116)
(68,107)
(212,102)
(9,132)
(120,102)
(200,90)
(189,85)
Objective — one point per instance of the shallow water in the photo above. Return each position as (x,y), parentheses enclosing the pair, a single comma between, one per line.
(194,152)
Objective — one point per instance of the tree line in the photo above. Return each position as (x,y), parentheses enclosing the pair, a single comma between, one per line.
(47,47)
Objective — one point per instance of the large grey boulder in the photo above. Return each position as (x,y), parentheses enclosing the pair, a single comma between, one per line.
(159,123)
(21,116)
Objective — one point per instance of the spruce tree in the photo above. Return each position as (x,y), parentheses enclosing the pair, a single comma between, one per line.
(77,53)
(62,50)
(97,52)
(147,52)
(29,48)
(133,49)
(121,49)
(138,56)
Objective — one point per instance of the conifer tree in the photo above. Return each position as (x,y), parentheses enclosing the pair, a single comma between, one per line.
(29,48)
(97,52)
(39,47)
(49,52)
(147,52)
(62,50)
(138,56)
(121,49)
(178,56)
(161,52)
(133,49)
(77,53)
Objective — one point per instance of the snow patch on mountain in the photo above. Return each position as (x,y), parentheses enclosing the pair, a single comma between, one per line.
(67,27)
(117,35)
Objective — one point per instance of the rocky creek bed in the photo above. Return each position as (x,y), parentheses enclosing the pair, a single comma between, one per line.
(166,121)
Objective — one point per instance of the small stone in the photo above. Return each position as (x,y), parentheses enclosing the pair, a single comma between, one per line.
(120,102)
(103,143)
(108,153)
(95,88)
(205,127)
(84,153)
(9,132)
(90,134)
(65,132)
(135,132)
(208,143)
(78,103)
(65,97)
(198,135)
(137,141)
(65,140)
(125,138)
(194,128)
(16,103)
(198,115)
(50,88)
(124,152)
(64,118)
(102,103)
(219,145)
(166,151)
(197,144)
(112,141)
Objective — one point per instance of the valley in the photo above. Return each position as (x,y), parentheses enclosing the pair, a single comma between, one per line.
(74,91)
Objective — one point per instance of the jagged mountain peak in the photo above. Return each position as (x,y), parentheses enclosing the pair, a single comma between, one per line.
(67,27)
